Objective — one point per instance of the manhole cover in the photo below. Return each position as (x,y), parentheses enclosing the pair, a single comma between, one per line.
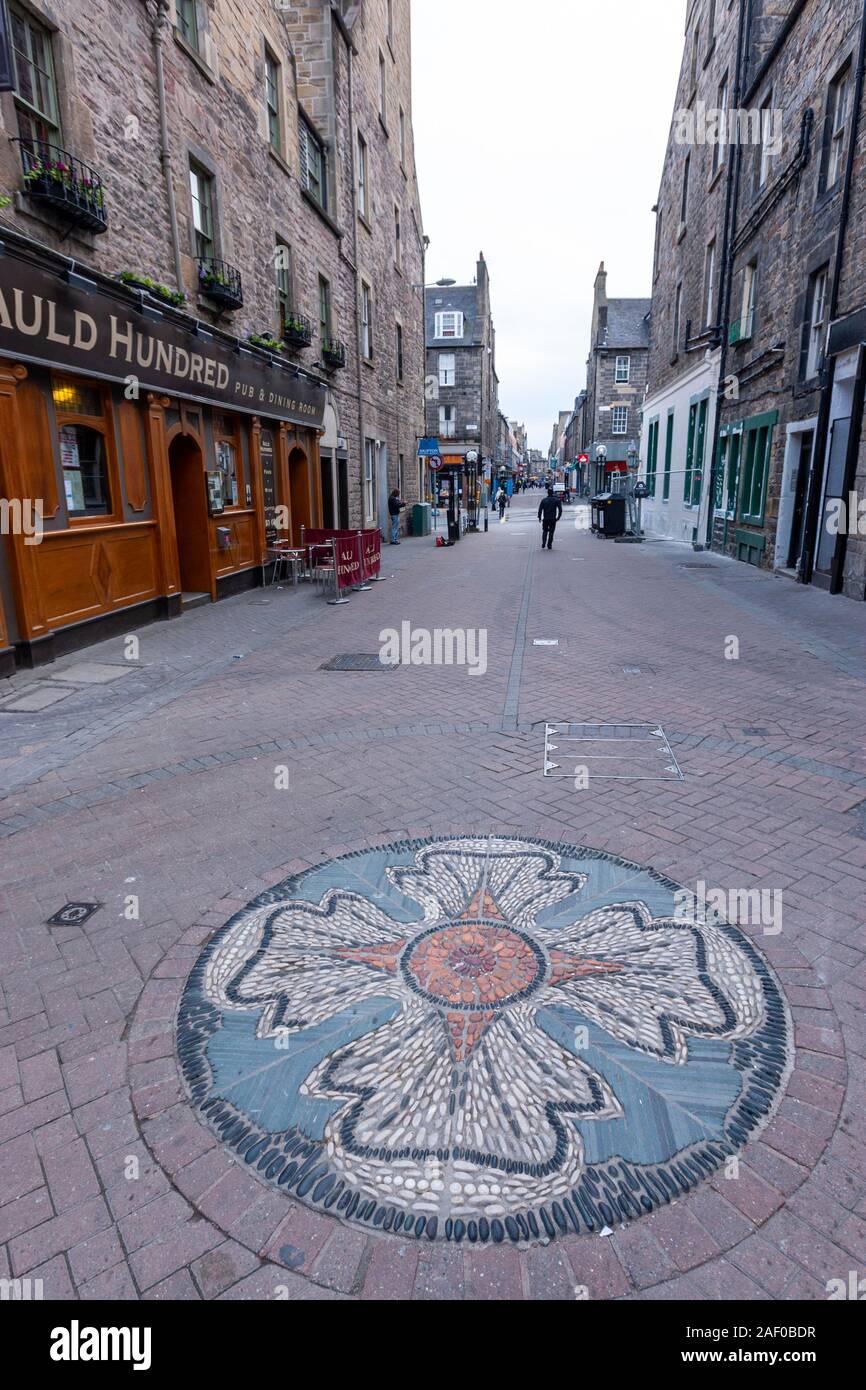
(73,914)
(481,1038)
(90,673)
(359,661)
(38,696)
(757,733)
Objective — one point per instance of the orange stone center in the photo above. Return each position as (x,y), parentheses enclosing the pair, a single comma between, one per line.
(474,965)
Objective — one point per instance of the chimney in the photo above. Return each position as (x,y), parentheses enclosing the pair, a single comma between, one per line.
(601,285)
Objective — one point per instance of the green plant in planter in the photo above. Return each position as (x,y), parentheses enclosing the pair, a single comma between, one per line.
(263,341)
(144,282)
(296,326)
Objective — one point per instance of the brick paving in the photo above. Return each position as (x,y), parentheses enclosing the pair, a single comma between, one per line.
(161,785)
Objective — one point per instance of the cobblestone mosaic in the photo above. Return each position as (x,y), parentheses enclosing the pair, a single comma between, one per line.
(482,1039)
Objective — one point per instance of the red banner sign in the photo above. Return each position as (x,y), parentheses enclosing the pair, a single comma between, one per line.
(359,553)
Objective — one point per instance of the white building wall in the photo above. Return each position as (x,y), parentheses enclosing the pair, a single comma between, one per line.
(673,519)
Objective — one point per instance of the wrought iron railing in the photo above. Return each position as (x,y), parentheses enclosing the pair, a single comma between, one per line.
(221,283)
(333,352)
(59,181)
(297,330)
(741,329)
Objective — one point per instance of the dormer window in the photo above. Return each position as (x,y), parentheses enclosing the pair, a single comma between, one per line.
(449,324)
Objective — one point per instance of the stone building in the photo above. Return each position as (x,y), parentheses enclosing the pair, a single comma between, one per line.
(211,326)
(787,447)
(462,386)
(616,373)
(679,412)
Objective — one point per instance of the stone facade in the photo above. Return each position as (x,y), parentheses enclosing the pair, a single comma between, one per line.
(323,59)
(463,389)
(778,356)
(616,374)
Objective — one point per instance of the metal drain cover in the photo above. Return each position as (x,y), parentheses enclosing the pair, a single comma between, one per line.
(358,661)
(610,752)
(73,914)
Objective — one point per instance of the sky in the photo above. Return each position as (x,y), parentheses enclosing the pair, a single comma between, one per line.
(542,144)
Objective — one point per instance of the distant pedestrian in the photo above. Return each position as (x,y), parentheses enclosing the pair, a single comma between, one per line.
(549,512)
(502,502)
(395,507)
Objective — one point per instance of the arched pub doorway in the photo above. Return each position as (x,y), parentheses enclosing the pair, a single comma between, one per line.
(189,500)
(300,493)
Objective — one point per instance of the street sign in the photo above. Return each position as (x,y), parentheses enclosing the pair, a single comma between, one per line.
(428,448)
(583,458)
(434,461)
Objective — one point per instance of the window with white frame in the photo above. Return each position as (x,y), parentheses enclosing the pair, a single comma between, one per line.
(709,283)
(314,164)
(765,166)
(722,136)
(449,324)
(369,480)
(620,419)
(366,321)
(447,422)
(363,207)
(750,295)
(622,374)
(839,100)
(447,369)
(817,323)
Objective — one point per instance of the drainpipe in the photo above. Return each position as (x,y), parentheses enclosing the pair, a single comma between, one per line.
(732,198)
(806,561)
(159,29)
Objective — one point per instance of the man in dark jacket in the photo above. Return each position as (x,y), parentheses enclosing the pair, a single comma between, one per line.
(549,512)
(395,506)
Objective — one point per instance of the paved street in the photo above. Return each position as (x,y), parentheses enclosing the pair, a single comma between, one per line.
(224,760)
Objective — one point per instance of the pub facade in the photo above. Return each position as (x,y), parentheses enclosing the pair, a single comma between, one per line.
(211,324)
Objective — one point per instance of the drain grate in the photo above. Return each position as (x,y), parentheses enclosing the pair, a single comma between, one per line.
(73,914)
(610,752)
(359,661)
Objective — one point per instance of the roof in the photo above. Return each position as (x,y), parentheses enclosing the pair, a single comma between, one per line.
(627,324)
(462,299)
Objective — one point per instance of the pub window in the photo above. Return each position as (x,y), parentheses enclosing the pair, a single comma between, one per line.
(35,83)
(188,22)
(274,101)
(226,446)
(314,165)
(83,432)
(201,193)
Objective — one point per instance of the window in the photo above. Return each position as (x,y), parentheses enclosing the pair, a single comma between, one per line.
(695,453)
(669,452)
(390,21)
(285,282)
(766,151)
(711,25)
(727,474)
(709,283)
(447,369)
(756,450)
(362,176)
(324,309)
(838,103)
(274,101)
(314,165)
(722,140)
(750,291)
(684,206)
(201,192)
(816,322)
(398,239)
(447,422)
(401,468)
(35,85)
(399,348)
(369,480)
(678,309)
(83,433)
(226,446)
(652,454)
(696,44)
(449,325)
(188,22)
(620,419)
(366,321)
(622,374)
(402,137)
(383,88)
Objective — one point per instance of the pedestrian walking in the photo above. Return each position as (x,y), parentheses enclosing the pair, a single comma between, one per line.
(549,512)
(395,507)
(502,503)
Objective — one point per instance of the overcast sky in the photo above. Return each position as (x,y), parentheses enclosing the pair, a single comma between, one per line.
(540,131)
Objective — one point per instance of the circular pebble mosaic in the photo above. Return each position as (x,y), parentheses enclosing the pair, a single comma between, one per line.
(482,1039)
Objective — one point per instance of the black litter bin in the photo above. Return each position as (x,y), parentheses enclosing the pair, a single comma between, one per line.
(611,514)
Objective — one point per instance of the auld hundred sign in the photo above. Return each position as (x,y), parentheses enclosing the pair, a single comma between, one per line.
(44,320)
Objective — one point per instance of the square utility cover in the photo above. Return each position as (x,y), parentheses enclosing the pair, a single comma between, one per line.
(90,673)
(73,914)
(358,661)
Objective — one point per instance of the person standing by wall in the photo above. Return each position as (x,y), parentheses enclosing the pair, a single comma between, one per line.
(395,507)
